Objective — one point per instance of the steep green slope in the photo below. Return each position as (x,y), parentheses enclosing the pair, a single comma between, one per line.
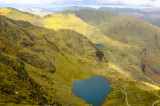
(53,59)
(47,61)
(101,24)
(18,15)
(125,29)
(133,40)
(150,15)
(68,20)
(95,25)
(130,31)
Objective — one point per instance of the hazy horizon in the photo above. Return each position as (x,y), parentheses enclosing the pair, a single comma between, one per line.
(91,5)
(45,4)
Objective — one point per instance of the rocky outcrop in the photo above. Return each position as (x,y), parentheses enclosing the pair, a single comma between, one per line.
(143,66)
(100,55)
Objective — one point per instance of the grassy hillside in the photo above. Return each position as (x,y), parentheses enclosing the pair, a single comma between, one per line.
(125,29)
(133,40)
(45,58)
(48,61)
(18,15)
(95,25)
(149,15)
(68,20)
(130,31)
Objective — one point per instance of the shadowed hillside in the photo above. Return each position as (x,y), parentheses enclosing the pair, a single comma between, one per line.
(131,31)
(150,15)
(138,40)
(125,29)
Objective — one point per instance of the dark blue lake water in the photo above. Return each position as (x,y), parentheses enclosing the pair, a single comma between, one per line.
(99,46)
(92,90)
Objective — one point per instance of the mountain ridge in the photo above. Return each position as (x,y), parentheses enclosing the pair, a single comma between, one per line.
(70,17)
(54,58)
(149,15)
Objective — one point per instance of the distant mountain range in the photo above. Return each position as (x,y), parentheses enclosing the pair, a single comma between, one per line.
(41,12)
(71,8)
(150,15)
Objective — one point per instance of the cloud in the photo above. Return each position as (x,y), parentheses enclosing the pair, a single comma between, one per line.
(43,2)
(131,2)
(34,2)
(25,2)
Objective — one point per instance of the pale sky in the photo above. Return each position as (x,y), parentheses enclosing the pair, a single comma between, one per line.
(154,3)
